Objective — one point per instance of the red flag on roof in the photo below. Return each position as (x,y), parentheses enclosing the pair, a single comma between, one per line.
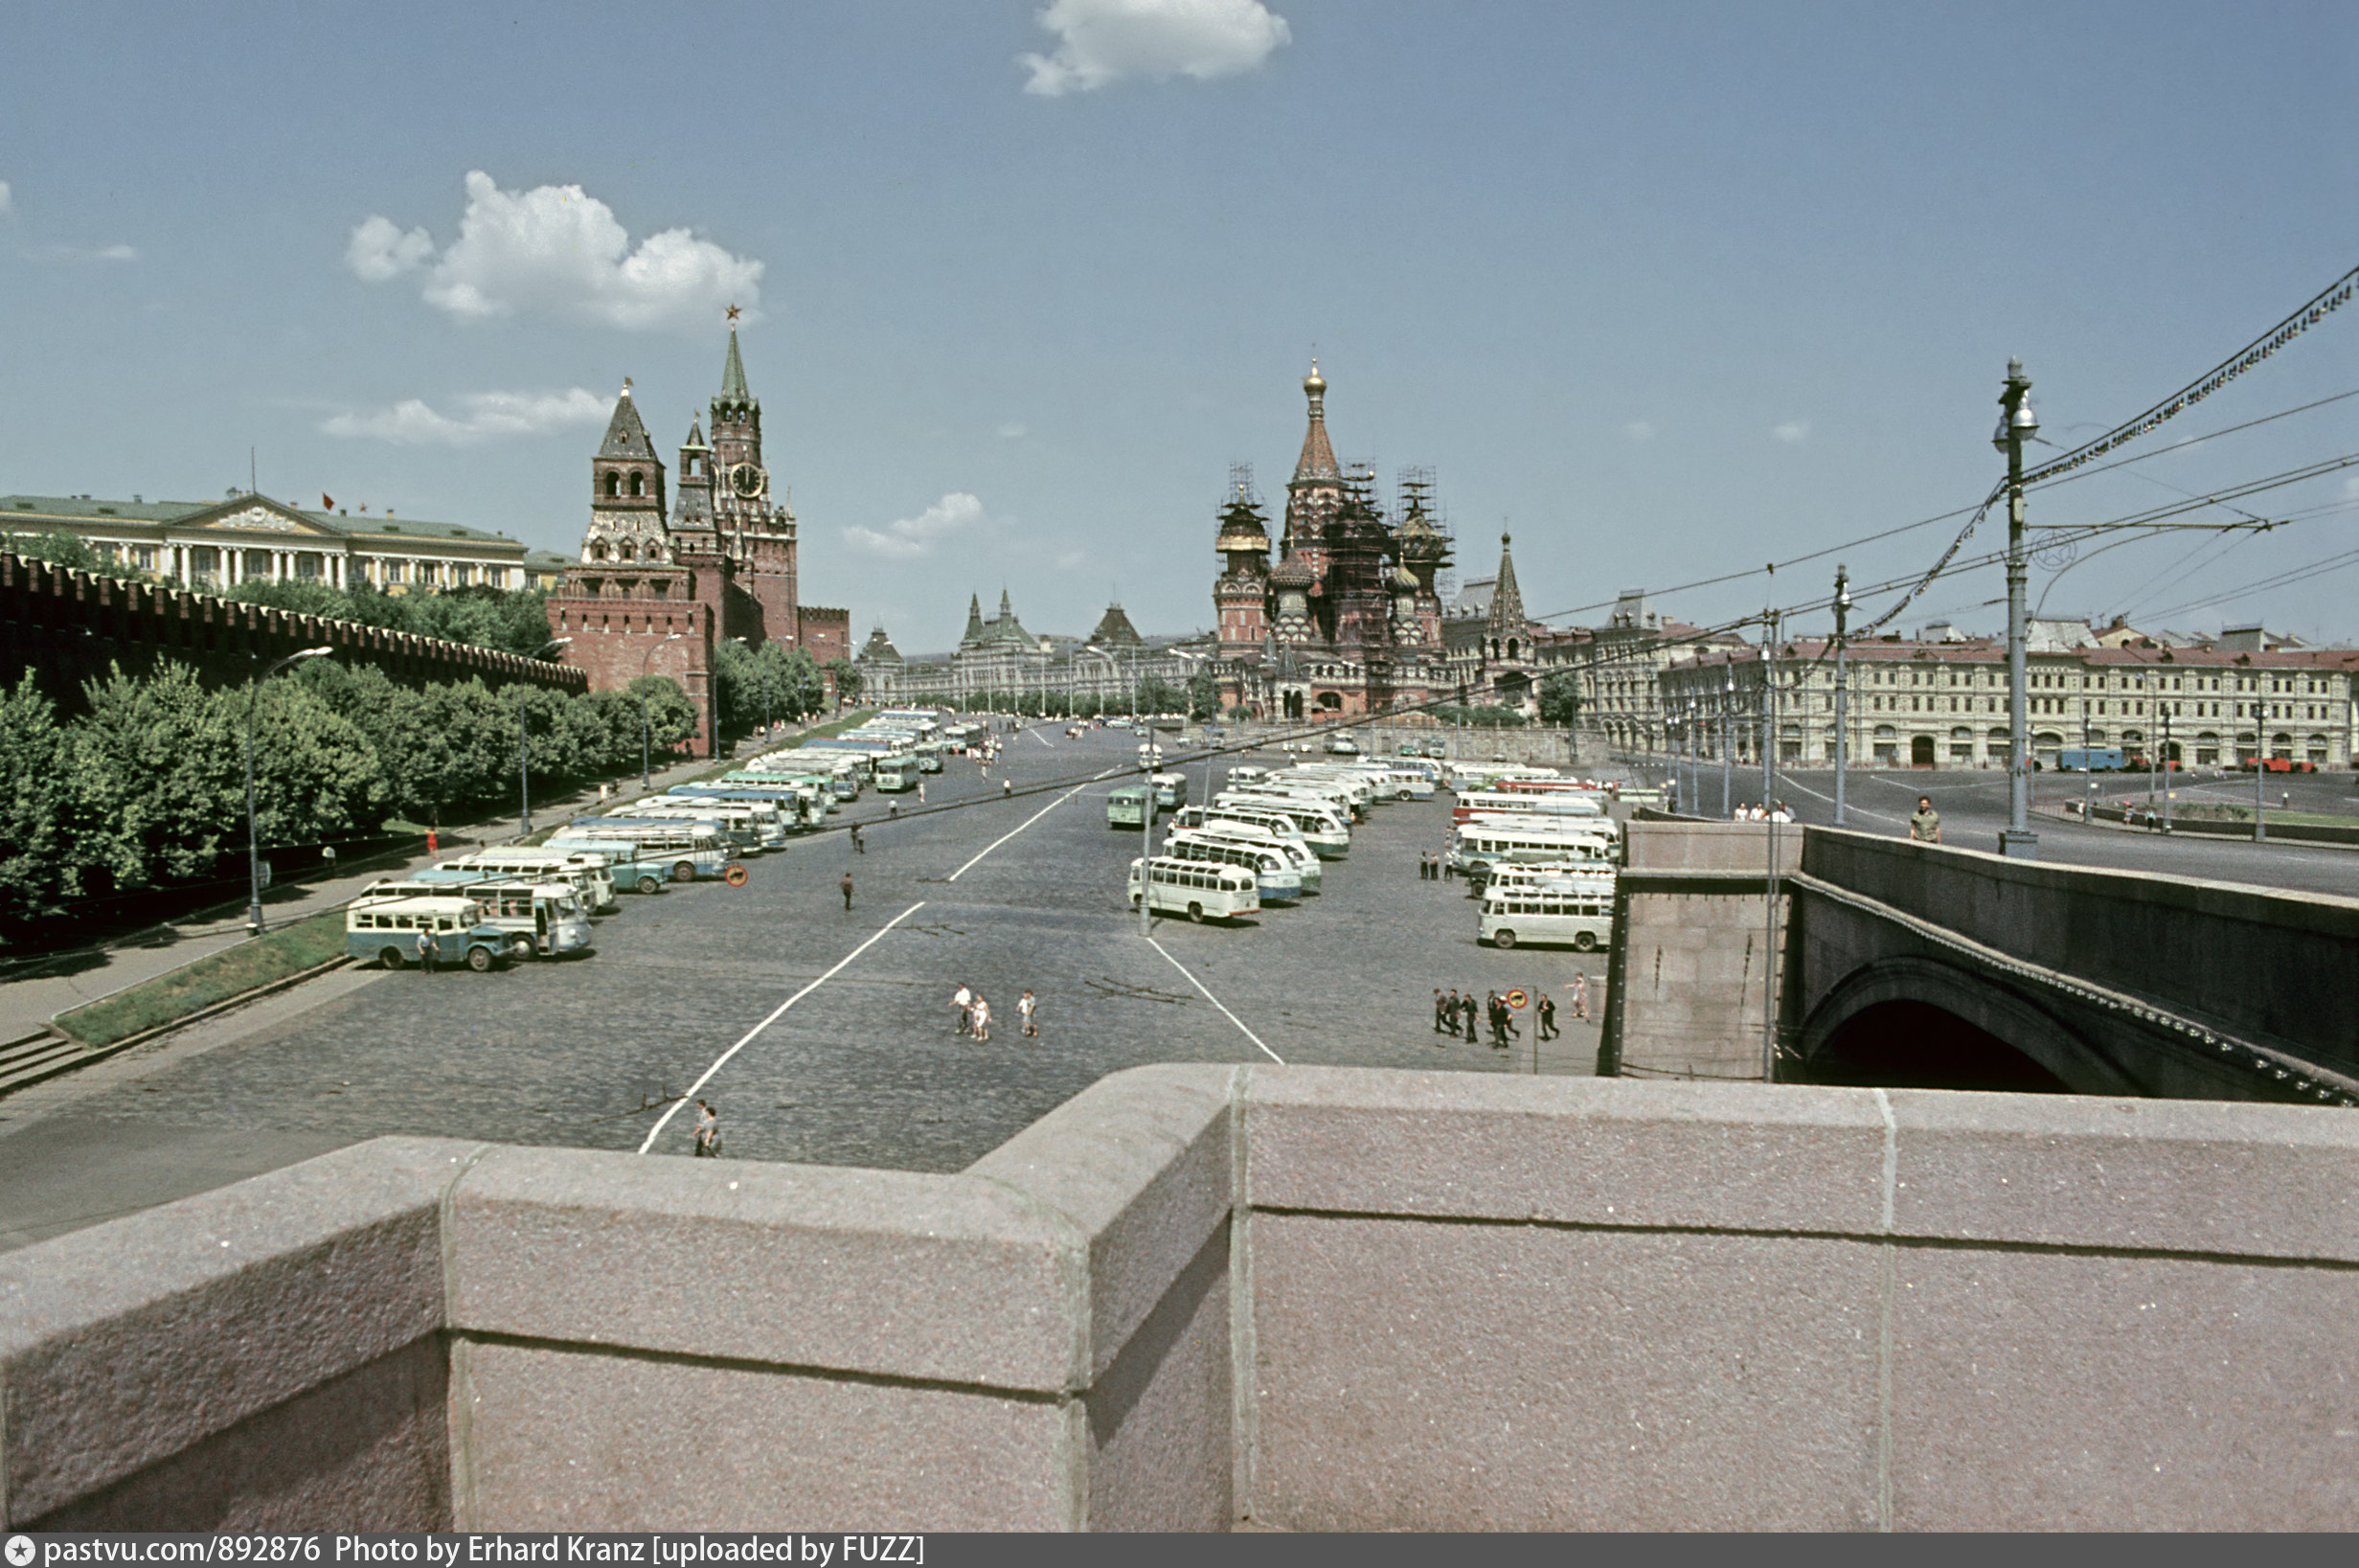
(328,503)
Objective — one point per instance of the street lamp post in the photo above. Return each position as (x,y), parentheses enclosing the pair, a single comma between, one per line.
(2018,425)
(2165,767)
(1843,736)
(1769,715)
(523,759)
(254,843)
(647,776)
(1728,713)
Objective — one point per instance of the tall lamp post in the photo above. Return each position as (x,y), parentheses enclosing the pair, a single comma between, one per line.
(647,776)
(254,843)
(2018,425)
(1728,737)
(523,759)
(1843,611)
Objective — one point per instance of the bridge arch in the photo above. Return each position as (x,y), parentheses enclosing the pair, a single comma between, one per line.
(1985,1016)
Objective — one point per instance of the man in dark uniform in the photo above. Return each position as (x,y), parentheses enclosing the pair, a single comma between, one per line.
(1465,1012)
(846,885)
(1548,1016)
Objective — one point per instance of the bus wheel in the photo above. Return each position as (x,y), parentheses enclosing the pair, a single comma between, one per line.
(1504,939)
(1196,913)
(1586,941)
(684,871)
(479,959)
(650,883)
(520,949)
(391,957)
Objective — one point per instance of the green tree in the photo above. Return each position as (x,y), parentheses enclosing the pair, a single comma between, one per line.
(1157,695)
(59,547)
(1560,698)
(671,717)
(156,782)
(315,772)
(847,681)
(1203,694)
(36,869)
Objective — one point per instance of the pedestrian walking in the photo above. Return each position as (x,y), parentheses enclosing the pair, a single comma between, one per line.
(1580,996)
(708,1144)
(1548,1016)
(920,791)
(1441,1010)
(1507,1020)
(1465,1014)
(1449,1015)
(1492,1009)
(1007,787)
(964,1000)
(1925,827)
(1027,1006)
(982,1019)
(857,847)
(846,885)
(1448,871)
(426,953)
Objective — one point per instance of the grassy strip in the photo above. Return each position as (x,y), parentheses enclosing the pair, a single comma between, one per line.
(195,986)
(2209,812)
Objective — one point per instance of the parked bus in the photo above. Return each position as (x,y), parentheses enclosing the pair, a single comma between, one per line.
(1478,844)
(386,931)
(1577,917)
(686,850)
(1314,819)
(1504,802)
(1273,875)
(1198,891)
(1128,806)
(588,873)
(794,809)
(929,756)
(897,775)
(540,918)
(1171,790)
(631,871)
(737,834)
(1261,835)
(753,827)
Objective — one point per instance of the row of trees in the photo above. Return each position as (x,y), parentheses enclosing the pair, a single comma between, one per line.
(147,787)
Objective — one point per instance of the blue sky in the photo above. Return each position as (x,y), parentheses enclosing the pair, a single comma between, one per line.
(1669,289)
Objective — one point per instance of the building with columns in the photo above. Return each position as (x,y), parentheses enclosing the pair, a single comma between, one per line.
(248,537)
(1944,704)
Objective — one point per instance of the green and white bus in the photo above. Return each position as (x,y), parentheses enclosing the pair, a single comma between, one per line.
(386,931)
(1274,876)
(1128,806)
(1200,891)
(684,850)
(897,775)
(1171,790)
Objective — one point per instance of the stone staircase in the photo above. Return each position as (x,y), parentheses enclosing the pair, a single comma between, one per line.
(30,1058)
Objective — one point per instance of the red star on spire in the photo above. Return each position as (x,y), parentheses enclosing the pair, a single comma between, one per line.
(733,313)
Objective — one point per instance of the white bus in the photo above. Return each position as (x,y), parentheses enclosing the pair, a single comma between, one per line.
(534,920)
(897,775)
(1200,891)
(587,873)
(1480,843)
(1262,834)
(1315,820)
(1580,917)
(1552,805)
(752,825)
(1274,876)
(686,850)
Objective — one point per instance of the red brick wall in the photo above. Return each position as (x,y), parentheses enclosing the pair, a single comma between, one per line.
(826,635)
(615,641)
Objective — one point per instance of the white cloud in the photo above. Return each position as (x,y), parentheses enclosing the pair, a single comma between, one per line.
(484,416)
(1792,430)
(1105,40)
(558,250)
(114,253)
(1637,430)
(8,201)
(914,536)
(1013,430)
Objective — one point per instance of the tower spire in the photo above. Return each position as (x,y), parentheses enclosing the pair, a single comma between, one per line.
(733,374)
(1506,601)
(1318,460)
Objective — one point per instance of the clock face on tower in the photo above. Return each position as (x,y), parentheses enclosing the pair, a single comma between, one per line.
(746,480)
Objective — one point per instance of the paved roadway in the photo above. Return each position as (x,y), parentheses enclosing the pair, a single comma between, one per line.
(1973,808)
(864,1069)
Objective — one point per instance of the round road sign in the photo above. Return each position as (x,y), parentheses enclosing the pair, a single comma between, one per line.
(1516,999)
(734,876)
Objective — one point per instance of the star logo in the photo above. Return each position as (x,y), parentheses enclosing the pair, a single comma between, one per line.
(734,314)
(20,1551)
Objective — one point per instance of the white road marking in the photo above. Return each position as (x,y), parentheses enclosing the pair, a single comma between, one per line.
(1019,827)
(1042,738)
(1215,1001)
(723,1060)
(1850,807)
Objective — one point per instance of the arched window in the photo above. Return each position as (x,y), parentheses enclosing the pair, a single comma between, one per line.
(639,484)
(656,553)
(624,551)
(1511,648)
(614,482)
(598,550)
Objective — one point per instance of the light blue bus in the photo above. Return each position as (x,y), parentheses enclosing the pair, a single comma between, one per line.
(683,850)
